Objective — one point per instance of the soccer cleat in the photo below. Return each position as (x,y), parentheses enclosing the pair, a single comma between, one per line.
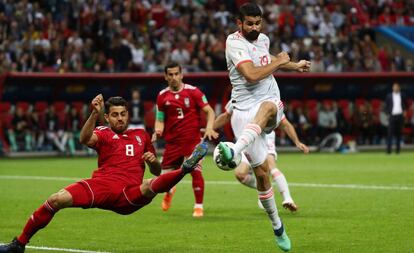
(290,205)
(13,247)
(166,201)
(198,212)
(199,152)
(282,239)
(227,155)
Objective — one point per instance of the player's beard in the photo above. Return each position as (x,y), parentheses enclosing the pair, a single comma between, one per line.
(252,35)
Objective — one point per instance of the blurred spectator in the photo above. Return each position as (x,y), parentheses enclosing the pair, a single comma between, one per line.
(363,124)
(55,131)
(327,123)
(19,134)
(136,110)
(395,104)
(73,126)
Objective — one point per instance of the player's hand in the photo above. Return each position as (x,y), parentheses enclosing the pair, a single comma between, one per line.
(303,147)
(98,103)
(211,134)
(149,157)
(303,66)
(282,58)
(156,135)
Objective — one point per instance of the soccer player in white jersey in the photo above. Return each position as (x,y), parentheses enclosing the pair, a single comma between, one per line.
(243,172)
(257,106)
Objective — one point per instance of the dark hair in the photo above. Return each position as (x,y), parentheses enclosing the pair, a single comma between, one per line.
(249,9)
(171,65)
(115,101)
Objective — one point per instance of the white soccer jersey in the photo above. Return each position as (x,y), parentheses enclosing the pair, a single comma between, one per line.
(239,50)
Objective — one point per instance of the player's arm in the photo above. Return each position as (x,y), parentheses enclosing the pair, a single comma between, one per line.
(152,162)
(301,66)
(288,128)
(87,136)
(159,125)
(210,115)
(253,74)
(221,120)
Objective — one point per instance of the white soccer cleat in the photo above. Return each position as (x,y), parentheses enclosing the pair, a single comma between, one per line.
(290,205)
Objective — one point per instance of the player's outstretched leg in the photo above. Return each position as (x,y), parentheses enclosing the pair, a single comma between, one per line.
(13,247)
(282,239)
(200,151)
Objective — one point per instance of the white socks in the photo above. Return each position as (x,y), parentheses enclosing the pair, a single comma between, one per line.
(249,134)
(281,184)
(268,201)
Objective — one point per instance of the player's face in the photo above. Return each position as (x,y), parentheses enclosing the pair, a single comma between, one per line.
(174,78)
(117,118)
(250,27)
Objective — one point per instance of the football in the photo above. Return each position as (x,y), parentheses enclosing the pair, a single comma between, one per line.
(226,167)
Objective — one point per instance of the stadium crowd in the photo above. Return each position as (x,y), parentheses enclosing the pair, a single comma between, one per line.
(141,36)
(55,127)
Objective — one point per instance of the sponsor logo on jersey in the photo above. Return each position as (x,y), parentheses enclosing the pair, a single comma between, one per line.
(177,96)
(187,102)
(167,103)
(138,140)
(115,137)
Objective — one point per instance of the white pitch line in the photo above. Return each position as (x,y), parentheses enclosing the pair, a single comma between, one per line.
(306,185)
(63,249)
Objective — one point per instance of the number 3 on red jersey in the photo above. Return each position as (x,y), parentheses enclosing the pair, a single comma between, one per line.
(180,113)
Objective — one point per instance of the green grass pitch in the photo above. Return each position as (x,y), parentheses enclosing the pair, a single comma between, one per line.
(340,210)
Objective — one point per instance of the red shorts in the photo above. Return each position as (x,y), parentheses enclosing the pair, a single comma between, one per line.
(175,153)
(105,193)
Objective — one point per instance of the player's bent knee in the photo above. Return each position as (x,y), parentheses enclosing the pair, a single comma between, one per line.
(61,199)
(240,175)
(268,107)
(146,188)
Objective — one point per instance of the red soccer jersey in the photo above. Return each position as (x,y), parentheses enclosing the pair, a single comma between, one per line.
(181,111)
(120,155)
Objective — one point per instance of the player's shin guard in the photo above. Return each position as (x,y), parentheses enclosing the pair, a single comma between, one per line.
(39,219)
(249,134)
(268,201)
(198,184)
(166,181)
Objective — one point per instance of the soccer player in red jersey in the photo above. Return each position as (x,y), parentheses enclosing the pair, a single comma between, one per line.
(117,184)
(178,121)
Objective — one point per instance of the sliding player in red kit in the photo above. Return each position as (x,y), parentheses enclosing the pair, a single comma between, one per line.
(117,184)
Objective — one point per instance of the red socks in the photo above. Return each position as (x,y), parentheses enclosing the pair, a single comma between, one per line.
(198,185)
(165,182)
(39,219)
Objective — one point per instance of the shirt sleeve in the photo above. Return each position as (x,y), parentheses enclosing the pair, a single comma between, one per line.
(159,109)
(229,107)
(200,98)
(237,52)
(101,133)
(148,145)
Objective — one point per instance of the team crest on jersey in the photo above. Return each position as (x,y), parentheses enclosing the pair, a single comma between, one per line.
(138,140)
(187,102)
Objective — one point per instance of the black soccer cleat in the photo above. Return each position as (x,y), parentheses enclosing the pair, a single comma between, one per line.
(200,151)
(13,247)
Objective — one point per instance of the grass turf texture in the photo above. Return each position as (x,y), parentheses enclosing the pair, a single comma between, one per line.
(329,219)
